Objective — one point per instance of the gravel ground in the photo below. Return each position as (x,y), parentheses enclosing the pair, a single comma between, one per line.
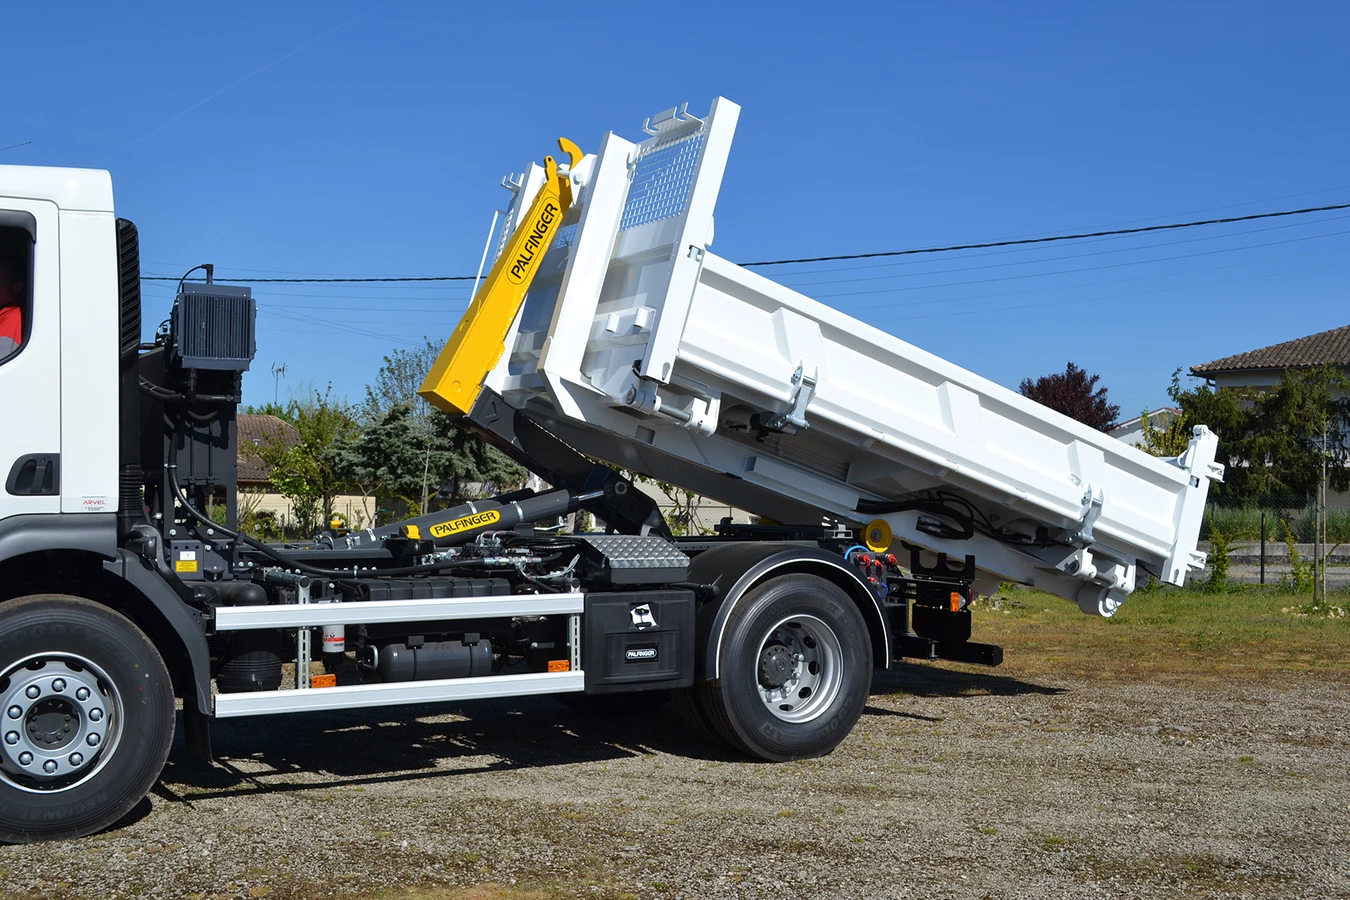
(955,784)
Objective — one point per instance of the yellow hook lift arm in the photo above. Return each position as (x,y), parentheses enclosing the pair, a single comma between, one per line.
(479,340)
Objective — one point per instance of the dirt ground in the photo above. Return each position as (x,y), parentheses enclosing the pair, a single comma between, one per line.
(958,782)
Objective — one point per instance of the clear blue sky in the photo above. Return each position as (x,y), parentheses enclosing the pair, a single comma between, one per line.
(368,138)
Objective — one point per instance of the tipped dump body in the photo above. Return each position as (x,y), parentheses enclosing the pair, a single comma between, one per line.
(639,346)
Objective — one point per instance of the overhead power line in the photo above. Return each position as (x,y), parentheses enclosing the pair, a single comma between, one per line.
(1172,226)
(951,248)
(320,280)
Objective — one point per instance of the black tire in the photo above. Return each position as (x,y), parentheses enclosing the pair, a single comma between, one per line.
(735,703)
(689,707)
(59,633)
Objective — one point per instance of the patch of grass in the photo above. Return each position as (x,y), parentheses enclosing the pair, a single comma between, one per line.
(1251,633)
(1053,843)
(1246,759)
(989,830)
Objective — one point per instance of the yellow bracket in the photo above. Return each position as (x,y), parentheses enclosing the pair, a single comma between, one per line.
(479,340)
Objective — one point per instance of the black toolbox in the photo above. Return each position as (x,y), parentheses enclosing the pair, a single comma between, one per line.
(638,640)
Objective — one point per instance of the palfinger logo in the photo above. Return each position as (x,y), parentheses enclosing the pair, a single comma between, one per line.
(465,523)
(535,243)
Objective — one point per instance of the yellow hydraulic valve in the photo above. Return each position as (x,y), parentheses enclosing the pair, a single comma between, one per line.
(480,338)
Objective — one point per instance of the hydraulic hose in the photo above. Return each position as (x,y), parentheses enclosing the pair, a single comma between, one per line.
(291,562)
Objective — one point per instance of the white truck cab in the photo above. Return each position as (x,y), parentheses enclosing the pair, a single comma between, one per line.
(57,230)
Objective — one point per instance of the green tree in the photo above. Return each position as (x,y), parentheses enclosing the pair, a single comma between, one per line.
(389,457)
(397,382)
(1270,440)
(305,462)
(1168,440)
(471,461)
(410,450)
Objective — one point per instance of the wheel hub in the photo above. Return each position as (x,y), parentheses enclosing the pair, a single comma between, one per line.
(55,721)
(776,665)
(52,723)
(800,668)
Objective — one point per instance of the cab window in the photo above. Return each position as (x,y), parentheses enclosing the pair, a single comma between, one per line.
(16,289)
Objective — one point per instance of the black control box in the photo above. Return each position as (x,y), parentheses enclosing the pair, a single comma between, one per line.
(638,640)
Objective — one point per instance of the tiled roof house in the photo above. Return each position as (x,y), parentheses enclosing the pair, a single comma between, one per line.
(1263,367)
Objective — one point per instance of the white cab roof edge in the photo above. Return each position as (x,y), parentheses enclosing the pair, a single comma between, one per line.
(75,189)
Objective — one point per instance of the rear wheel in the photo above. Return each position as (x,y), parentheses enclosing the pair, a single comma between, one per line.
(86,717)
(795,670)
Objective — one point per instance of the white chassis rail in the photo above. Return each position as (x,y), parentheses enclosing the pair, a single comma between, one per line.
(640,346)
(304,615)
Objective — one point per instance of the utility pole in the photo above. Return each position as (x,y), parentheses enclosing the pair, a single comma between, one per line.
(1322,513)
(1320,527)
(426,473)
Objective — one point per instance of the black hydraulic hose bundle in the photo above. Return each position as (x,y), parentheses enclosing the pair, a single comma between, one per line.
(291,562)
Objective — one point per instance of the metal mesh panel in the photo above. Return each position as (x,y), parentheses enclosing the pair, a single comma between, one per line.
(565,235)
(663,179)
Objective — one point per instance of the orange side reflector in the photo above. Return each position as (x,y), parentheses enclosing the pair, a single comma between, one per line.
(322,681)
(559,665)
(956,601)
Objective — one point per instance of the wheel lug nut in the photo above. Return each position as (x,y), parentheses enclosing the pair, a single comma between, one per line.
(15,712)
(65,727)
(59,685)
(76,759)
(93,739)
(82,694)
(12,738)
(25,758)
(33,692)
(49,766)
(95,715)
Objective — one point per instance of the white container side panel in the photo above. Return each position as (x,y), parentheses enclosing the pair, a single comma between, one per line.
(644,349)
(750,334)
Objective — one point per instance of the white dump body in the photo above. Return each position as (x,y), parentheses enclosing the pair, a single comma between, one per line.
(640,346)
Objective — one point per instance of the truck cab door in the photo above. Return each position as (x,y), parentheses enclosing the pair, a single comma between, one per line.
(30,377)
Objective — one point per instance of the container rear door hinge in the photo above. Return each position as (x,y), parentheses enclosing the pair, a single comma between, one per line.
(1092,509)
(803,389)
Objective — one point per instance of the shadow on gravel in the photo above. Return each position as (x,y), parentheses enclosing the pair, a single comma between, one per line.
(931,681)
(393,744)
(409,743)
(134,815)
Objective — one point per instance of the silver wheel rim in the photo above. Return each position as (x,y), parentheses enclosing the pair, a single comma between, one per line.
(799,668)
(59,724)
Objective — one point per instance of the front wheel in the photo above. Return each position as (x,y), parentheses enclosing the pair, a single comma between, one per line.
(86,717)
(795,670)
